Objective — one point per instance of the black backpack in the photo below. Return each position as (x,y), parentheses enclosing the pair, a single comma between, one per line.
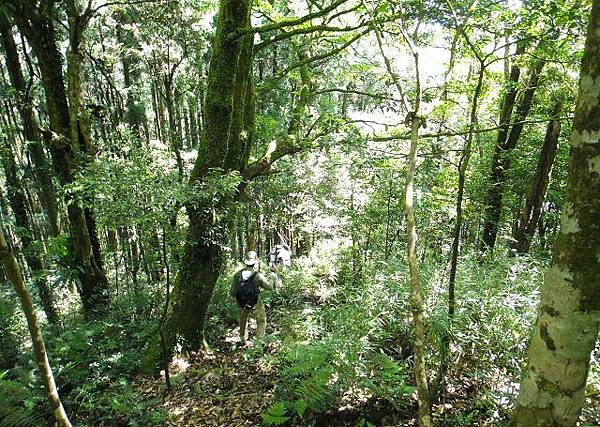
(247,292)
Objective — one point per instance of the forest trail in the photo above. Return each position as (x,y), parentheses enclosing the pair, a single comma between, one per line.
(227,385)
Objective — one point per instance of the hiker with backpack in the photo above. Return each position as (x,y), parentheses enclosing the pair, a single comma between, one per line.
(245,288)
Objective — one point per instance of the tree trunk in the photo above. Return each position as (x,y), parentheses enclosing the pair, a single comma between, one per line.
(31,254)
(132,72)
(67,139)
(416,298)
(552,391)
(501,160)
(41,169)
(203,254)
(463,166)
(193,125)
(11,267)
(531,212)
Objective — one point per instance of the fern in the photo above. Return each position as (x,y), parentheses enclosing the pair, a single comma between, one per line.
(19,406)
(275,414)
(21,417)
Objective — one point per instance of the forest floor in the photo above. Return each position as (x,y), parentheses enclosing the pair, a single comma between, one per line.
(232,385)
(220,387)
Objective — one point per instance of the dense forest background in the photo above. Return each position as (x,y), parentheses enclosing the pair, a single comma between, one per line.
(416,156)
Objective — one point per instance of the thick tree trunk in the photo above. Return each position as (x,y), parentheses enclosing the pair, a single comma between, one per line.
(501,159)
(552,391)
(203,254)
(11,267)
(68,137)
(531,212)
(47,192)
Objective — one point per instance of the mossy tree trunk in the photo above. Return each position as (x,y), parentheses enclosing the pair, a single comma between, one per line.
(68,138)
(227,133)
(552,391)
(219,152)
(532,210)
(505,144)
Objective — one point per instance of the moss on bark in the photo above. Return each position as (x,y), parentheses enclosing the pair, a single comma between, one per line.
(553,388)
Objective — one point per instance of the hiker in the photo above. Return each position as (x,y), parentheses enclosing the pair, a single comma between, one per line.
(245,288)
(280,256)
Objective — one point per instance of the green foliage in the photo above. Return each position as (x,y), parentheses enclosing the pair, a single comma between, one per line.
(337,340)
(275,414)
(93,364)
(10,330)
(21,405)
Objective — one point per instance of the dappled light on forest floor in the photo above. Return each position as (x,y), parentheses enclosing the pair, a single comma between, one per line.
(219,387)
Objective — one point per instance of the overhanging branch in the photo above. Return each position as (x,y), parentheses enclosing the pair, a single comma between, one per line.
(406,136)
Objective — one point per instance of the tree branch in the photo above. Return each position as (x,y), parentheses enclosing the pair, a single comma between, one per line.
(319,57)
(307,30)
(288,23)
(276,149)
(357,92)
(406,136)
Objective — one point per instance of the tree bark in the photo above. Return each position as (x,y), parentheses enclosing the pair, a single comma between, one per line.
(505,143)
(532,210)
(12,270)
(68,137)
(47,192)
(552,390)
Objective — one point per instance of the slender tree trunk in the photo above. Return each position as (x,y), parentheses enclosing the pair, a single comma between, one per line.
(17,201)
(552,391)
(416,298)
(193,125)
(463,166)
(174,134)
(531,212)
(67,138)
(136,112)
(11,267)
(47,192)
(505,143)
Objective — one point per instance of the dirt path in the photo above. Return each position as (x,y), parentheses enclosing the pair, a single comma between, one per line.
(227,386)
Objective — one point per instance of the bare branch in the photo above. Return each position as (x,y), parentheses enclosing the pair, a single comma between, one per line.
(319,57)
(287,23)
(357,92)
(307,30)
(406,136)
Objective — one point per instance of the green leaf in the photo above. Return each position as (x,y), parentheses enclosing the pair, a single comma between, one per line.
(275,414)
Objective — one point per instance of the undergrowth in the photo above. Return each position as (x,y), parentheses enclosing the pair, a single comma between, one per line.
(346,338)
(93,364)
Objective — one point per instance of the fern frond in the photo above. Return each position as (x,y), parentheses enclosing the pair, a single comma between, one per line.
(275,414)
